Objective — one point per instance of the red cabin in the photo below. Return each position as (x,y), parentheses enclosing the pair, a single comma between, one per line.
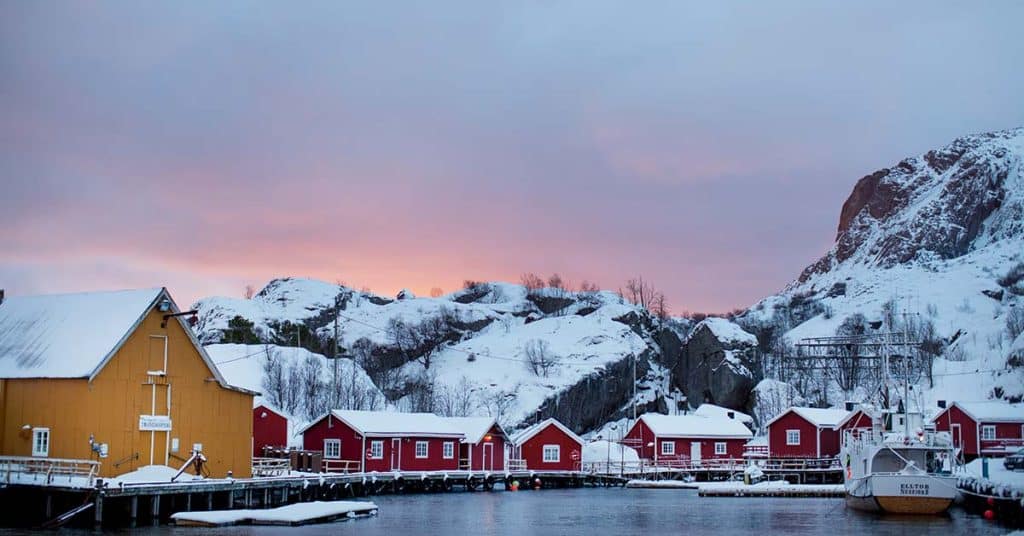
(988,428)
(805,433)
(483,445)
(547,446)
(858,419)
(269,429)
(384,441)
(687,438)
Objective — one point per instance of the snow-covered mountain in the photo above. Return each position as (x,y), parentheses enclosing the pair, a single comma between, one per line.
(493,348)
(940,237)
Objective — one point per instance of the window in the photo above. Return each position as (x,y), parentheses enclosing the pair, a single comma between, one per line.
(720,448)
(421,449)
(668,448)
(377,449)
(449,449)
(40,441)
(792,437)
(988,431)
(332,448)
(552,453)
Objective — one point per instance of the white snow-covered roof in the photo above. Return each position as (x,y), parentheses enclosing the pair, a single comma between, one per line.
(820,417)
(695,426)
(726,331)
(75,335)
(711,410)
(759,441)
(474,428)
(992,411)
(524,435)
(393,424)
(67,335)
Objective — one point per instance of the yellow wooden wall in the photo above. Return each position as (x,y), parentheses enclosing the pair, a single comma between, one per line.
(109,407)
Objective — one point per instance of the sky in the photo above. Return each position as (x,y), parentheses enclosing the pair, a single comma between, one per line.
(206,146)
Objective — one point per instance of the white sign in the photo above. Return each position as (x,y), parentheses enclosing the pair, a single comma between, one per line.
(154,423)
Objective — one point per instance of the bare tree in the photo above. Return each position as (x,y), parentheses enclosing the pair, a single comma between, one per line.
(588,287)
(498,403)
(316,396)
(642,293)
(275,380)
(356,392)
(455,400)
(531,281)
(436,292)
(556,282)
(1014,323)
(293,396)
(249,291)
(539,357)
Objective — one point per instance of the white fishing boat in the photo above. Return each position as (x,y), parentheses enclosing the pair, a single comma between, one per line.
(890,472)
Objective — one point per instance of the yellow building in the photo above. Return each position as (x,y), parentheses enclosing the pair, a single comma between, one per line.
(116,377)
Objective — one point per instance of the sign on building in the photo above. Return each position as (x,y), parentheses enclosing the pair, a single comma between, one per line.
(154,423)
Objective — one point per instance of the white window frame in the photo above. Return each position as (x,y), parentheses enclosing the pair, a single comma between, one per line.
(987,428)
(36,434)
(448,450)
(792,437)
(556,450)
(670,450)
(377,449)
(426,449)
(721,447)
(329,445)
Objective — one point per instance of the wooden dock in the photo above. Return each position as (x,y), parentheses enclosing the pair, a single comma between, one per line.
(757,490)
(153,503)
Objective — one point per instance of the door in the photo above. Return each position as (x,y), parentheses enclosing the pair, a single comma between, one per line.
(156,402)
(396,454)
(488,457)
(955,432)
(695,452)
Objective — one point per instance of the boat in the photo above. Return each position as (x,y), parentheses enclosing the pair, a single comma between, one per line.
(891,472)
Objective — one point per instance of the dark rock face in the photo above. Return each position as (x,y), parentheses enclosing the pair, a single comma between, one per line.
(932,206)
(710,370)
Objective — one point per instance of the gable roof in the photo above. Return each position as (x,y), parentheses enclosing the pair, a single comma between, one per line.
(524,435)
(992,411)
(392,424)
(76,335)
(856,411)
(695,426)
(474,428)
(711,410)
(820,417)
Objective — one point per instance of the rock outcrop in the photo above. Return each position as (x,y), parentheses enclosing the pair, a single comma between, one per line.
(716,365)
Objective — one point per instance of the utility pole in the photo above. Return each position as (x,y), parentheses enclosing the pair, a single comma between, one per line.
(334,390)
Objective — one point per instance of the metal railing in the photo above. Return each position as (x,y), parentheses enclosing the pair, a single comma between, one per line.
(516,465)
(17,469)
(270,466)
(1001,446)
(684,464)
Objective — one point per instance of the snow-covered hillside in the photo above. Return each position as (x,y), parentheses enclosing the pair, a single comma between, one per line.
(492,349)
(934,237)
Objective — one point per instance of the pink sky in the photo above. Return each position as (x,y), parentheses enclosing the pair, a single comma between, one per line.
(707,148)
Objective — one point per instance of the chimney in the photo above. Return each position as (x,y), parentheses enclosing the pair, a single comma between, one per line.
(850,406)
(731,414)
(941,403)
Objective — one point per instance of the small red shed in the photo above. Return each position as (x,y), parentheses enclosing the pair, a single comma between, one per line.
(383,441)
(858,419)
(989,428)
(548,446)
(805,433)
(688,438)
(269,428)
(483,445)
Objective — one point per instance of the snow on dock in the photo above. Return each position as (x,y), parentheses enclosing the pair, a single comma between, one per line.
(291,515)
(778,488)
(662,484)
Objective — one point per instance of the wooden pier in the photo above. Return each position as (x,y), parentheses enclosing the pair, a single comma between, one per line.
(106,505)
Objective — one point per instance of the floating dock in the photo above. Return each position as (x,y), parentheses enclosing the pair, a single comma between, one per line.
(764,490)
(292,515)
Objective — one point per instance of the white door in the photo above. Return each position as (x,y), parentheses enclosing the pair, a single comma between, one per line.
(487,464)
(396,454)
(695,452)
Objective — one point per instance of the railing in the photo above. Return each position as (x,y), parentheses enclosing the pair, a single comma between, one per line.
(270,466)
(800,464)
(1001,446)
(516,465)
(683,464)
(464,464)
(17,469)
(341,466)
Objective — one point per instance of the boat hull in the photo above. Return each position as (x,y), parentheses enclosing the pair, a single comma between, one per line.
(903,494)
